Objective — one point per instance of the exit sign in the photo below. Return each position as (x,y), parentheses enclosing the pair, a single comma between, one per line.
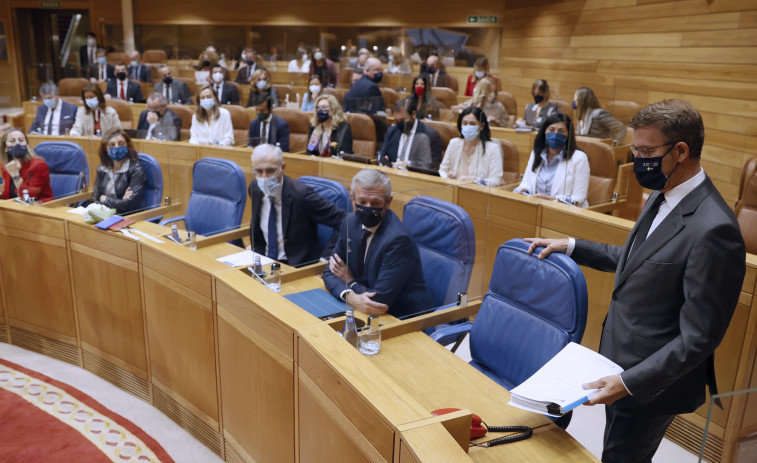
(49,4)
(483,19)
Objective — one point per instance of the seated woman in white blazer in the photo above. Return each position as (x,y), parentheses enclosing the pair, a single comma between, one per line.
(559,171)
(95,118)
(211,124)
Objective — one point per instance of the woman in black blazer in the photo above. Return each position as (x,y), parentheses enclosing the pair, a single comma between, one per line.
(330,134)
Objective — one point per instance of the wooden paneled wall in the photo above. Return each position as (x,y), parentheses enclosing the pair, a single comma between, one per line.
(704,51)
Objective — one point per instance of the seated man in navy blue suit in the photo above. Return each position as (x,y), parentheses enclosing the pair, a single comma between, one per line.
(406,142)
(124,88)
(55,116)
(138,71)
(364,96)
(267,127)
(376,265)
(293,220)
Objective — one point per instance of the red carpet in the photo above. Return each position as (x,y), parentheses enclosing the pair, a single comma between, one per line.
(44,420)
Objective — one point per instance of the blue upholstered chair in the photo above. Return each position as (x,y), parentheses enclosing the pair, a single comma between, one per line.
(218,197)
(532,310)
(334,192)
(69,169)
(153,180)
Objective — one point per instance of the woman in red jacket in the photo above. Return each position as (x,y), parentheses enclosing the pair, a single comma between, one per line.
(22,169)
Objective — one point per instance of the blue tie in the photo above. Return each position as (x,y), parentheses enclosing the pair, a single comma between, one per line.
(273,241)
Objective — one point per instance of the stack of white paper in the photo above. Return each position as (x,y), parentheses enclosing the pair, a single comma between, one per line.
(557,387)
(244,259)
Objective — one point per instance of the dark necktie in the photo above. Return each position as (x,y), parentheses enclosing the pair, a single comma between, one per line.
(50,124)
(361,257)
(262,131)
(273,240)
(646,224)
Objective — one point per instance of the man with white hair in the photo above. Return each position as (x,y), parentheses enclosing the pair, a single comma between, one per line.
(364,96)
(286,213)
(54,116)
(376,265)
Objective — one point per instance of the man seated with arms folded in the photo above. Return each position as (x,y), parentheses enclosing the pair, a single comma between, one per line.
(268,127)
(137,71)
(175,91)
(157,122)
(288,230)
(364,96)
(227,91)
(100,71)
(120,179)
(54,116)
(406,142)
(376,265)
(677,282)
(123,88)
(22,169)
(559,171)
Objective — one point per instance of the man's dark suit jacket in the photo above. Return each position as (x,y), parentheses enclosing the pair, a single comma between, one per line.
(392,144)
(143,126)
(180,94)
(302,209)
(392,266)
(364,97)
(230,94)
(672,301)
(84,58)
(93,72)
(243,74)
(278,132)
(144,73)
(133,90)
(67,118)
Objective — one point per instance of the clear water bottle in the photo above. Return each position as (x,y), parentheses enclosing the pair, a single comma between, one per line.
(349,332)
(273,280)
(175,233)
(258,267)
(25,196)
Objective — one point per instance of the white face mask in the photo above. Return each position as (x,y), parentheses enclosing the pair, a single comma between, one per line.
(480,74)
(268,185)
(91,42)
(304,57)
(318,55)
(314,89)
(261,84)
(207,103)
(218,77)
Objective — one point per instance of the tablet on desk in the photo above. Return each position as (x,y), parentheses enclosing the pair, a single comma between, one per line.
(318,302)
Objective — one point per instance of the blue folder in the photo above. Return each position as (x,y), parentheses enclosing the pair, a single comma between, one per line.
(318,302)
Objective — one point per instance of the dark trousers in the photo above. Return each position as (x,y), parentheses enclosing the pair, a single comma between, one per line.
(632,433)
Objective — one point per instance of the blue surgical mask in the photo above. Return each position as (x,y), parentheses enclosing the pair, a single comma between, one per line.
(261,84)
(479,74)
(118,153)
(268,185)
(135,63)
(470,132)
(102,60)
(555,140)
(368,216)
(378,76)
(92,102)
(207,103)
(318,56)
(49,102)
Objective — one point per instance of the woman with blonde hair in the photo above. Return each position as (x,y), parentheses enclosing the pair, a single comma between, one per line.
(480,71)
(485,97)
(211,124)
(22,169)
(398,64)
(330,134)
(260,83)
(95,117)
(593,121)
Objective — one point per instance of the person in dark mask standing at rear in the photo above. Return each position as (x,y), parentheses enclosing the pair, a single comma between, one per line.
(376,265)
(364,96)
(677,281)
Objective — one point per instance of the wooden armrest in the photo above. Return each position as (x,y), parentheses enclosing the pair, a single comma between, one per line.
(509,186)
(148,213)
(620,196)
(430,319)
(74,198)
(230,235)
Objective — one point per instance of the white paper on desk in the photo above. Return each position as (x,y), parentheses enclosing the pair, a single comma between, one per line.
(81,210)
(560,380)
(244,259)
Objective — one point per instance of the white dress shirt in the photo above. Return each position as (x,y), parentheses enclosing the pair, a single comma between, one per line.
(406,141)
(218,131)
(265,210)
(55,115)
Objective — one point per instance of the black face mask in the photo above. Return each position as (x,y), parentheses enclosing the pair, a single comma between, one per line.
(649,172)
(168,80)
(538,98)
(368,216)
(18,151)
(206,64)
(322,115)
(121,75)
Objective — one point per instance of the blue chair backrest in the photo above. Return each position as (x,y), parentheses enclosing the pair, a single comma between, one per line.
(153,180)
(532,310)
(334,192)
(219,194)
(447,244)
(69,169)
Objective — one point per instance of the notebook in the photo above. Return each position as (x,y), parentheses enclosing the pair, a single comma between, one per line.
(318,302)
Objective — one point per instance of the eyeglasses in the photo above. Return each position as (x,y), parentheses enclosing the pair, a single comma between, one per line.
(646,152)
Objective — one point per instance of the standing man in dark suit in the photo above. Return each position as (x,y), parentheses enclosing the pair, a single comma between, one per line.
(268,127)
(157,122)
(376,265)
(227,91)
(88,53)
(677,282)
(101,70)
(297,210)
(54,116)
(364,96)
(137,71)
(175,91)
(406,141)
(123,88)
